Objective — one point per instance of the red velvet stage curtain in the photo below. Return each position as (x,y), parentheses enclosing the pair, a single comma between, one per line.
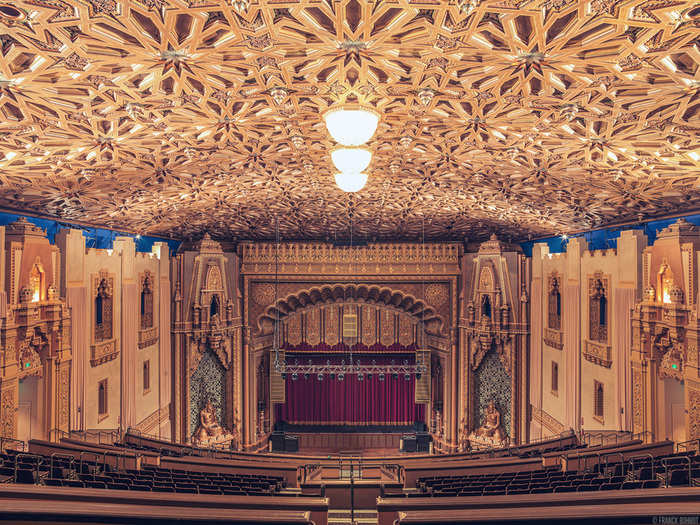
(351,401)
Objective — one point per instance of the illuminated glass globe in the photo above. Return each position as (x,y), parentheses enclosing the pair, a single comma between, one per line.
(351,182)
(351,160)
(351,126)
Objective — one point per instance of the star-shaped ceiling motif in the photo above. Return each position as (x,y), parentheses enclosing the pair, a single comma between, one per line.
(176,117)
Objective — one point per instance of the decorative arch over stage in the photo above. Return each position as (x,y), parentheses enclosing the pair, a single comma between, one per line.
(391,291)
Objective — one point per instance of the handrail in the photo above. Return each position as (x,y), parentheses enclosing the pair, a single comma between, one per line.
(39,461)
(633,458)
(605,458)
(65,456)
(4,441)
(686,445)
(664,462)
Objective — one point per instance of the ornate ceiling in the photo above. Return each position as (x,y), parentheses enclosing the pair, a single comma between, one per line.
(522,117)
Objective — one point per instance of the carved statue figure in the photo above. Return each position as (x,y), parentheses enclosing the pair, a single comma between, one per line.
(209,432)
(490,433)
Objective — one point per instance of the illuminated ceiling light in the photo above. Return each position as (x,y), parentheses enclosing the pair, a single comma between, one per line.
(426,95)
(405,141)
(351,160)
(351,126)
(240,5)
(278,94)
(351,182)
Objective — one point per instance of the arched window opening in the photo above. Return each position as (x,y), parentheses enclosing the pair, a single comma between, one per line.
(103,312)
(599,400)
(36,283)
(214,306)
(485,306)
(98,310)
(598,311)
(554,306)
(146,304)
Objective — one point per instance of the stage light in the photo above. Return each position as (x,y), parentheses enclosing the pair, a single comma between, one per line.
(381,376)
(320,377)
(306,376)
(284,376)
(407,377)
(333,375)
(418,375)
(360,377)
(295,376)
(341,377)
(395,375)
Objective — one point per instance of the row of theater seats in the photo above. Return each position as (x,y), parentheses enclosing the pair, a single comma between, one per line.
(69,472)
(674,469)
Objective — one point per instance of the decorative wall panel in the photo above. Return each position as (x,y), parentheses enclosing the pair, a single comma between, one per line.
(492,383)
(207,383)
(369,325)
(386,322)
(332,325)
(313,326)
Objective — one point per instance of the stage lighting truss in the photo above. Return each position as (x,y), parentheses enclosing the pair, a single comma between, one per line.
(339,371)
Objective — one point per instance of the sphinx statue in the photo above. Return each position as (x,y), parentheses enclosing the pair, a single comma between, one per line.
(490,434)
(209,432)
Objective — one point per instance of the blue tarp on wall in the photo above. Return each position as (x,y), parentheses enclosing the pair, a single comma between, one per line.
(94,237)
(607,237)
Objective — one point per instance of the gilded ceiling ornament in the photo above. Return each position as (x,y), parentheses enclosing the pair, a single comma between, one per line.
(278,94)
(240,6)
(425,95)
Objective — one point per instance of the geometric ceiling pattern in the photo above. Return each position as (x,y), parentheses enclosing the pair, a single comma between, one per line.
(521,117)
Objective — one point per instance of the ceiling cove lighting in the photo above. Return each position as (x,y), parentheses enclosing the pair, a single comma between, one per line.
(351,126)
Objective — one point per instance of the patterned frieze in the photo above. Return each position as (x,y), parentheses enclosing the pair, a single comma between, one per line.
(327,259)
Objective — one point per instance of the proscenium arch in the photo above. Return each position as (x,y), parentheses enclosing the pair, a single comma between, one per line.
(351,293)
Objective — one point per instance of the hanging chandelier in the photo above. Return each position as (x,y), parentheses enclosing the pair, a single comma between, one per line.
(351,125)
(350,367)
(351,182)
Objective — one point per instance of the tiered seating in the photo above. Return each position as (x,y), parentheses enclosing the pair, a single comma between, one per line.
(64,471)
(639,472)
(681,469)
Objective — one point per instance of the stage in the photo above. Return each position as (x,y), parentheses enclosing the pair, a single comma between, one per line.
(349,443)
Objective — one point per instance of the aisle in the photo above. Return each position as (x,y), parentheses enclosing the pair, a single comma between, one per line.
(342,517)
